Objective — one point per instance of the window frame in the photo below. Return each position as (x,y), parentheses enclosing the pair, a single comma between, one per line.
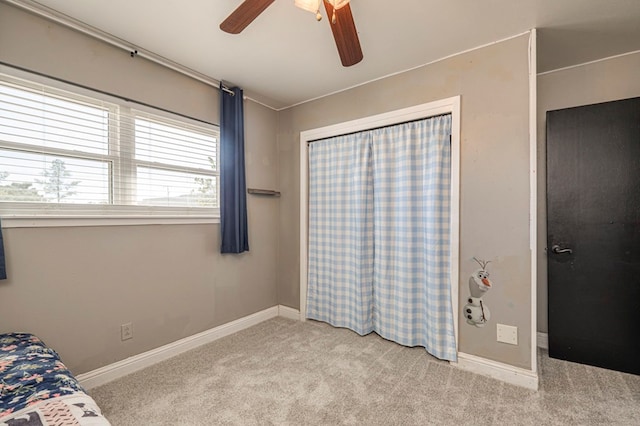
(30,214)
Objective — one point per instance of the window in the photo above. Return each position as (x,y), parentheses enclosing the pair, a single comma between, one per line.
(70,155)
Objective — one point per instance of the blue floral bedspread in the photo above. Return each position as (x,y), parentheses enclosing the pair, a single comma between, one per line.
(30,372)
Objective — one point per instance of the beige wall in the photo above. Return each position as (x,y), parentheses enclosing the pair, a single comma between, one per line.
(493,82)
(75,286)
(602,81)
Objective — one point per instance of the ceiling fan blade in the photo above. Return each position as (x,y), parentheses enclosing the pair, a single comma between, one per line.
(345,34)
(244,15)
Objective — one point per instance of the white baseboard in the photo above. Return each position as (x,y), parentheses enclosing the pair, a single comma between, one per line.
(108,373)
(287,312)
(543,340)
(132,364)
(497,370)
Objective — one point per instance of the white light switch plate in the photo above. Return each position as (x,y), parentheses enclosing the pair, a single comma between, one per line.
(507,334)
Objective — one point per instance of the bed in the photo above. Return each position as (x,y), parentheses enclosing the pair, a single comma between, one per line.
(36,389)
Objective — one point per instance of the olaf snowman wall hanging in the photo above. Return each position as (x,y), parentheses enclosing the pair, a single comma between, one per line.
(476,311)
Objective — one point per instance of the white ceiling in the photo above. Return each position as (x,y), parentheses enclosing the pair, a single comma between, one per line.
(285,57)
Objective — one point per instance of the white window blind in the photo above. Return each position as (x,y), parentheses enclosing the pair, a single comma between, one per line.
(66,154)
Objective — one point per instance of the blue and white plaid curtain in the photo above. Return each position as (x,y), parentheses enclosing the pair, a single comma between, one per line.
(379,234)
(341,224)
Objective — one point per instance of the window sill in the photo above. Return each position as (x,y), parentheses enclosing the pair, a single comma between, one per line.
(32,215)
(78,221)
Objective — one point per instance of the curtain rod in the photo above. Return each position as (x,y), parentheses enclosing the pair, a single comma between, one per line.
(382,127)
(102,92)
(68,21)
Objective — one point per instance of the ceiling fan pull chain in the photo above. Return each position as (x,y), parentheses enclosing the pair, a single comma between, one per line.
(333,18)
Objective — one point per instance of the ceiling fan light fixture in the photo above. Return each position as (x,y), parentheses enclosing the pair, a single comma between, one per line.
(338,4)
(309,5)
(312,6)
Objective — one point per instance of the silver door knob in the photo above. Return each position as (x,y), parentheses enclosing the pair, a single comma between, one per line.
(559,250)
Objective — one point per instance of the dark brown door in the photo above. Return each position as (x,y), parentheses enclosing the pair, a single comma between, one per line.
(593,235)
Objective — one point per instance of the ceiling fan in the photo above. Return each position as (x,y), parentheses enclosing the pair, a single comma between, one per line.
(341,22)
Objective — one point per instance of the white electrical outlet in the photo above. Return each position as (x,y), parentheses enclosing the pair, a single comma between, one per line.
(507,334)
(126,331)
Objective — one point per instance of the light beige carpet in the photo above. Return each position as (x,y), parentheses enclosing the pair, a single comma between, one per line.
(285,372)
